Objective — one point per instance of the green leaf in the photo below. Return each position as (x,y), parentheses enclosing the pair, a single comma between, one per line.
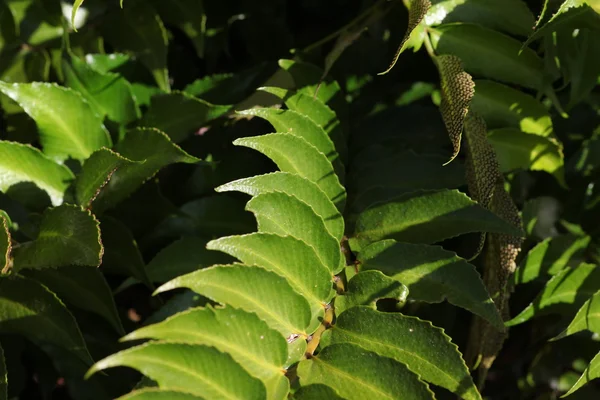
(426,217)
(181,257)
(510,16)
(294,123)
(24,163)
(317,392)
(83,287)
(296,186)
(307,78)
(252,289)
(579,54)
(457,89)
(187,15)
(519,150)
(109,94)
(195,369)
(574,13)
(565,292)
(504,107)
(432,274)
(153,150)
(423,348)
(68,125)
(286,215)
(121,253)
(259,349)
(489,54)
(139,30)
(3,377)
(5,245)
(366,288)
(295,155)
(96,173)
(591,372)
(319,112)
(356,373)
(180,115)
(76,6)
(551,256)
(30,309)
(68,235)
(587,318)
(104,63)
(158,394)
(289,257)
(416,12)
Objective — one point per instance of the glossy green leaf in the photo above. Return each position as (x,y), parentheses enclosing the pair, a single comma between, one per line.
(68,235)
(109,94)
(30,309)
(83,287)
(252,289)
(139,30)
(104,63)
(426,217)
(296,186)
(490,54)
(3,377)
(591,372)
(180,115)
(286,215)
(259,349)
(368,287)
(181,257)
(158,394)
(68,125)
(551,256)
(356,373)
(195,369)
(566,291)
(154,150)
(425,349)
(504,107)
(294,123)
(510,16)
(319,112)
(187,15)
(432,274)
(519,150)
(96,173)
(288,257)
(587,318)
(24,163)
(295,155)
(5,244)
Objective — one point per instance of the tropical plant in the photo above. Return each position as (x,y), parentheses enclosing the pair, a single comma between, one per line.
(299,226)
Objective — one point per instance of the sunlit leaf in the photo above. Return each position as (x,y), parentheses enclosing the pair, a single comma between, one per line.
(195,369)
(356,373)
(68,235)
(425,349)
